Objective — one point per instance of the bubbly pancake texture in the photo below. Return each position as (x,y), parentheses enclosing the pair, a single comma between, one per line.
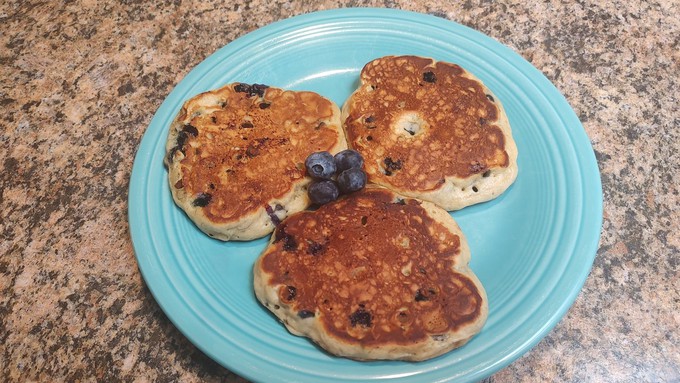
(373,276)
(235,156)
(431,130)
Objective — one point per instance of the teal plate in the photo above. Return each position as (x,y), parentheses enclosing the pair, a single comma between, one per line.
(532,248)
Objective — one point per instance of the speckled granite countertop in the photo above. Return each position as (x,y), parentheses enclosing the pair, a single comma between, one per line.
(80,81)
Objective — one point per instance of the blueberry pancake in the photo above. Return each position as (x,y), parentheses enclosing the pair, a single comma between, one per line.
(235,156)
(373,276)
(430,130)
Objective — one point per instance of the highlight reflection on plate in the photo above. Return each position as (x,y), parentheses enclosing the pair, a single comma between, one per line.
(532,248)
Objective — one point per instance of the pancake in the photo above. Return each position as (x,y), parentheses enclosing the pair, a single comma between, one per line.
(430,130)
(235,156)
(373,276)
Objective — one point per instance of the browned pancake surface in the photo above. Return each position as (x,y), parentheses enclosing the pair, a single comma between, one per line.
(248,146)
(374,270)
(416,123)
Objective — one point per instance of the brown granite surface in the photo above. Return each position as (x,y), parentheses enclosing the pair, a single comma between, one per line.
(80,81)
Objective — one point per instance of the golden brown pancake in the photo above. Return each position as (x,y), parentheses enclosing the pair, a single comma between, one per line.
(430,130)
(373,276)
(235,156)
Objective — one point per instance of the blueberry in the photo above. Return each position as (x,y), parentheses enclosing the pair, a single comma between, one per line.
(202,199)
(320,165)
(348,159)
(352,180)
(429,77)
(322,192)
(305,314)
(361,317)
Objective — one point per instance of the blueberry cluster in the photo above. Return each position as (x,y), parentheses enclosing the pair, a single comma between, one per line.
(333,176)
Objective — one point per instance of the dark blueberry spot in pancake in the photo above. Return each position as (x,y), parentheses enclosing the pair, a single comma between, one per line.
(474,189)
(179,184)
(191,129)
(212,186)
(321,125)
(278,207)
(315,248)
(264,105)
(400,201)
(280,233)
(247,125)
(305,314)
(203,199)
(391,165)
(476,167)
(251,90)
(490,97)
(369,138)
(290,293)
(273,217)
(213,119)
(369,121)
(425,295)
(482,121)
(374,87)
(171,153)
(289,243)
(364,220)
(182,137)
(422,270)
(429,77)
(486,173)
(360,317)
(258,89)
